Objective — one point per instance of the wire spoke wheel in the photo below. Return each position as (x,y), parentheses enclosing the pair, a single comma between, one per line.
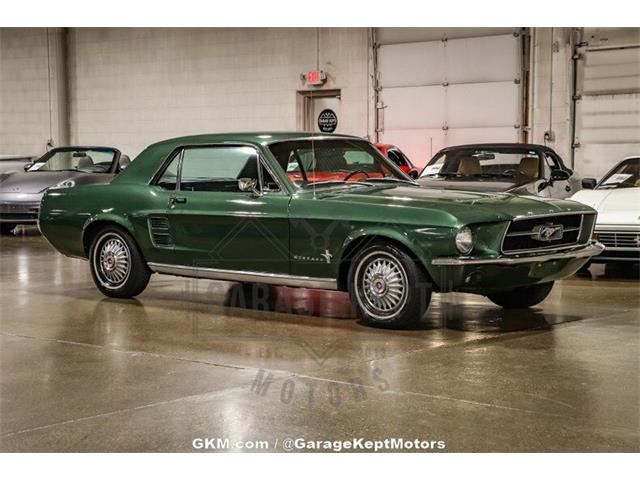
(381,283)
(112,261)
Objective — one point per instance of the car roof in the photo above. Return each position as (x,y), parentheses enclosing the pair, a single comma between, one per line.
(261,138)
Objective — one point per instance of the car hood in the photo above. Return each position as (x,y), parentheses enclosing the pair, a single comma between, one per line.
(36,182)
(466,207)
(617,206)
(475,185)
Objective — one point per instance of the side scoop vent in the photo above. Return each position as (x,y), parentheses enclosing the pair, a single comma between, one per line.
(160,232)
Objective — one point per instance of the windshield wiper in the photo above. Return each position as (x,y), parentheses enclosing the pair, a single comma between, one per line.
(498,174)
(444,174)
(324,182)
(389,179)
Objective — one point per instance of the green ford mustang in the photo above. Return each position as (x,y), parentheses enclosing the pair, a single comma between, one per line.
(314,211)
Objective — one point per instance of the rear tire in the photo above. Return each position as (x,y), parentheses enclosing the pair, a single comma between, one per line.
(522,297)
(387,288)
(117,266)
(7,228)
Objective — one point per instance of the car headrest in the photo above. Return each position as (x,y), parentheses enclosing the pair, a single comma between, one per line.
(529,165)
(469,166)
(85,162)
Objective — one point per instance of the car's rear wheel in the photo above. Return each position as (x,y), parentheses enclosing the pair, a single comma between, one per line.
(387,287)
(117,266)
(522,297)
(7,228)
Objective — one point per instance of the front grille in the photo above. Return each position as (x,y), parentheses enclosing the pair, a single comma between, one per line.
(626,240)
(549,232)
(160,231)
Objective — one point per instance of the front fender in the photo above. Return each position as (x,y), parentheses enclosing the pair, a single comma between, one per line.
(423,243)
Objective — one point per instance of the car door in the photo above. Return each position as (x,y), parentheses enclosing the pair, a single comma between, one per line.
(214,224)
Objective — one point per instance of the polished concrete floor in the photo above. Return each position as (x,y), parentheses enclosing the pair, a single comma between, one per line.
(80,372)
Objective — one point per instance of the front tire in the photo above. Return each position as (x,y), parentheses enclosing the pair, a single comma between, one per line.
(522,297)
(117,266)
(7,228)
(387,287)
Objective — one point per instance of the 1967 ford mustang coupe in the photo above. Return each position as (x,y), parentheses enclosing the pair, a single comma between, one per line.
(314,211)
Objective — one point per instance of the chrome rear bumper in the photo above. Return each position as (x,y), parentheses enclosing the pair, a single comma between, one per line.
(589,250)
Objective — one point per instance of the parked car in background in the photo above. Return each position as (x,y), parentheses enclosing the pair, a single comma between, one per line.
(21,192)
(9,163)
(617,200)
(519,168)
(396,155)
(326,212)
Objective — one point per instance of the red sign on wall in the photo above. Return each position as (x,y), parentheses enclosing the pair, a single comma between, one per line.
(316,77)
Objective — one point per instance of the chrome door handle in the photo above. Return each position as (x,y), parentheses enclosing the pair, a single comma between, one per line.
(173,201)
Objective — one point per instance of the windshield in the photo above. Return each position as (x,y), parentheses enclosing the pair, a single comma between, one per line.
(624,175)
(313,163)
(516,164)
(80,160)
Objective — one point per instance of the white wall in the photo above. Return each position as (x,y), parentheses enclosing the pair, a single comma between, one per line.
(552,78)
(32,106)
(132,87)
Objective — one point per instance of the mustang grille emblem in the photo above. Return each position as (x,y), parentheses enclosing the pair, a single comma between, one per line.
(548,233)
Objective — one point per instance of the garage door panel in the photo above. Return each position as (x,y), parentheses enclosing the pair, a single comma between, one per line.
(608,112)
(469,60)
(411,64)
(482,105)
(413,107)
(418,144)
(611,71)
(459,136)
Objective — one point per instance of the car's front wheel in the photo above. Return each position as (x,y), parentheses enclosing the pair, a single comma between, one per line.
(117,266)
(7,228)
(387,287)
(522,297)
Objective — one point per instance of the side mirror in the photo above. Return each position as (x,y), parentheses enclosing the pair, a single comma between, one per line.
(559,175)
(589,183)
(249,185)
(27,166)
(124,162)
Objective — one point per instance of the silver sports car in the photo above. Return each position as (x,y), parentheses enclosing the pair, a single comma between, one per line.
(21,192)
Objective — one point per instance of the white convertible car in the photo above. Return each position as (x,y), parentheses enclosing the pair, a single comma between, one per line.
(617,200)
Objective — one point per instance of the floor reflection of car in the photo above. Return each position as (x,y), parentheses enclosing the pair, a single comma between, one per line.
(523,169)
(327,212)
(9,163)
(21,192)
(617,200)
(396,155)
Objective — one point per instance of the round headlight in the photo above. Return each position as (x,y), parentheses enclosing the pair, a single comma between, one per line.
(464,240)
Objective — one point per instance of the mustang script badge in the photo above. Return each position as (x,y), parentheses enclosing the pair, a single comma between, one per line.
(547,233)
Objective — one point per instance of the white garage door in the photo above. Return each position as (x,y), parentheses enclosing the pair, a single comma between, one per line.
(435,93)
(608,106)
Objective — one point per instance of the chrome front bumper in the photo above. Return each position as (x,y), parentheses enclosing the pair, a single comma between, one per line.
(591,249)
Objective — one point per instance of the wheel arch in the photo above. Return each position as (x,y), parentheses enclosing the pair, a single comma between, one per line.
(95,224)
(355,243)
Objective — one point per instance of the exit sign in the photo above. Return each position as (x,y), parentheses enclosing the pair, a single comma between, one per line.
(315,77)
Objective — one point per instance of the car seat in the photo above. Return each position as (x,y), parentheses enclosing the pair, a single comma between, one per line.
(530,166)
(469,166)
(84,162)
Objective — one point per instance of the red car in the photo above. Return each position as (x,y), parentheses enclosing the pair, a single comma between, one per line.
(394,154)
